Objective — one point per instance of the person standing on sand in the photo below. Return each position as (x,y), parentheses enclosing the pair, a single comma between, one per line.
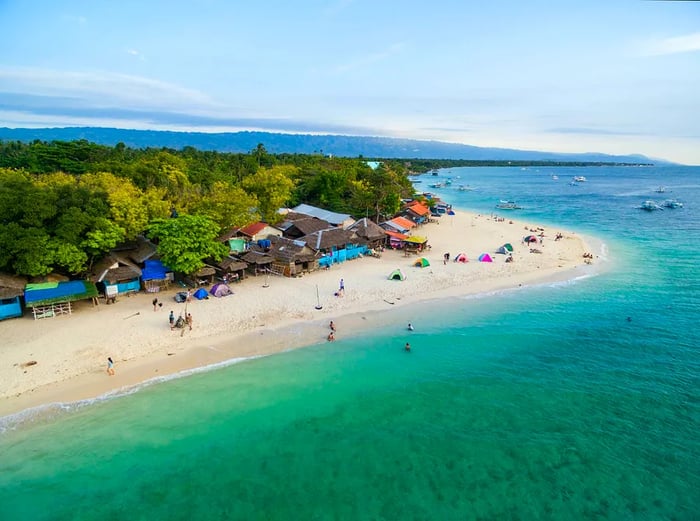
(341,291)
(110,366)
(155,304)
(332,326)
(172,319)
(188,319)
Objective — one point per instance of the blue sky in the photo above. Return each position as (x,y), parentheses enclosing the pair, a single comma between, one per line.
(577,76)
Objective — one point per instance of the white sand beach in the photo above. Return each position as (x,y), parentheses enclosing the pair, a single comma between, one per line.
(71,351)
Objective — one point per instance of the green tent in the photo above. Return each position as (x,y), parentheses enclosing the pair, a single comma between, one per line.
(397,274)
(508,246)
(422,263)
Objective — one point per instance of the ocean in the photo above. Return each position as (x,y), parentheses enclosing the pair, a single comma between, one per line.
(570,400)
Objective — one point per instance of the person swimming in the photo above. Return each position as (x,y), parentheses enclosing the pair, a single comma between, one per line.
(408,347)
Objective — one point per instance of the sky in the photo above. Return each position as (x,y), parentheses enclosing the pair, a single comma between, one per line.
(611,76)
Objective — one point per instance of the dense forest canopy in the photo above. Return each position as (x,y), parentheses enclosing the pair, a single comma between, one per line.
(63,205)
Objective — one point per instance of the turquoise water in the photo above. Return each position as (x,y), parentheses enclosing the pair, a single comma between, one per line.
(542,403)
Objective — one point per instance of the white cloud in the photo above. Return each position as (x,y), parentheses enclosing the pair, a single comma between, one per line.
(673,45)
(100,87)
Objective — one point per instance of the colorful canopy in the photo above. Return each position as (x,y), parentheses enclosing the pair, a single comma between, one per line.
(461,257)
(485,257)
(530,238)
(422,263)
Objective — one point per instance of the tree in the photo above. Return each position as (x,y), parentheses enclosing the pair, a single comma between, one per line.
(185,241)
(228,206)
(272,187)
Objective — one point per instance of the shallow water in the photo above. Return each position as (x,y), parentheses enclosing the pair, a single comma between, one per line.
(541,403)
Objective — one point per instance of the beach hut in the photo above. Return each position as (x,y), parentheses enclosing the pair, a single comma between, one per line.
(48,299)
(461,257)
(422,263)
(397,274)
(11,289)
(485,257)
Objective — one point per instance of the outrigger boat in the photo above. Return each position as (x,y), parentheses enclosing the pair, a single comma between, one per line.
(508,205)
(650,206)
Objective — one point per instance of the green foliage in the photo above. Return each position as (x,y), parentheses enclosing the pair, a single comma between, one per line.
(272,187)
(228,206)
(184,242)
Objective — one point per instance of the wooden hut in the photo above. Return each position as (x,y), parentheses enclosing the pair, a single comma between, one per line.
(369,232)
(292,257)
(258,261)
(205,276)
(48,299)
(115,274)
(11,289)
(230,269)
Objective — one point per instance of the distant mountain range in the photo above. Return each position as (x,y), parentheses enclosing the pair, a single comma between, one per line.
(346,146)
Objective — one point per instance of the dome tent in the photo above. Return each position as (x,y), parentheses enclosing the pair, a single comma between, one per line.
(485,257)
(461,257)
(397,274)
(422,263)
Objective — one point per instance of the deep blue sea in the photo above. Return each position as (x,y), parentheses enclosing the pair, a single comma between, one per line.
(543,403)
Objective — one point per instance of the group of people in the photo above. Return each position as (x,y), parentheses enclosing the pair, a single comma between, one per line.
(180,322)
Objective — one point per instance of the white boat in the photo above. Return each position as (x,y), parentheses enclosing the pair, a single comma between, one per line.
(650,206)
(555,177)
(437,185)
(508,205)
(660,190)
(672,203)
(465,188)
(579,179)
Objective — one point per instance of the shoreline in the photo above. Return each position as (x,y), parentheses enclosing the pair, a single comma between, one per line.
(260,321)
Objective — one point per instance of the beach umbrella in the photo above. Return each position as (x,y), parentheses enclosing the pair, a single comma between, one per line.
(461,257)
(485,257)
(422,263)
(530,238)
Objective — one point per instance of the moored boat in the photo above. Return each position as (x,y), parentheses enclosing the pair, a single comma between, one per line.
(672,203)
(508,205)
(650,206)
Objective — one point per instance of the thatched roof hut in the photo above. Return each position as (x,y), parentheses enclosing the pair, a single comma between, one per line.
(11,286)
(113,268)
(326,240)
(368,231)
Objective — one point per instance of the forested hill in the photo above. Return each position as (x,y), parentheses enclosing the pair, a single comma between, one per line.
(343,146)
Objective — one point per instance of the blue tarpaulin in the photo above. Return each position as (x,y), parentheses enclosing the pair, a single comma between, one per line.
(47,293)
(154,270)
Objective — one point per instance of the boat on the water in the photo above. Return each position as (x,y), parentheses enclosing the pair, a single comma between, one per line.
(650,206)
(437,185)
(672,203)
(555,177)
(466,188)
(448,182)
(579,179)
(508,205)
(661,190)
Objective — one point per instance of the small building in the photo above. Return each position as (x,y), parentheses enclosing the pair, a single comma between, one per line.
(341,220)
(305,226)
(116,274)
(49,299)
(156,276)
(257,260)
(417,212)
(396,240)
(369,232)
(399,224)
(230,269)
(292,257)
(11,289)
(335,245)
(258,231)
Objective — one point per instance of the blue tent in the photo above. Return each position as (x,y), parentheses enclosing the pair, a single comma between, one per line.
(201,293)
(154,270)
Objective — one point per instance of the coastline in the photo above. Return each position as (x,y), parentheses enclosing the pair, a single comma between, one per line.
(71,351)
